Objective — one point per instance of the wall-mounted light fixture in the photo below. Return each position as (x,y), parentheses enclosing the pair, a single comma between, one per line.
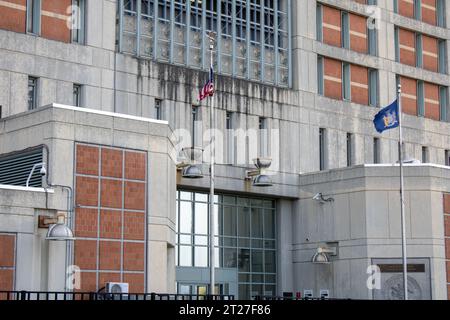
(57,227)
(187,165)
(260,178)
(322,254)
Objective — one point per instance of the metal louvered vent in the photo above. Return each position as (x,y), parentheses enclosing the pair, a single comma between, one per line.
(15,168)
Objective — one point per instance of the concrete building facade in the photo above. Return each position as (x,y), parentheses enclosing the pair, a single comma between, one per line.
(110,88)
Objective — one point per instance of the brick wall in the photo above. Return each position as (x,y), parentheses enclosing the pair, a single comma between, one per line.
(54,19)
(429,11)
(409,95)
(430,53)
(432,108)
(407,45)
(110,219)
(13,15)
(359,84)
(332,78)
(331,26)
(358,33)
(446,199)
(7,262)
(406,8)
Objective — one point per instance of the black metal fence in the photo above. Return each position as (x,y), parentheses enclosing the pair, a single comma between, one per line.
(98,296)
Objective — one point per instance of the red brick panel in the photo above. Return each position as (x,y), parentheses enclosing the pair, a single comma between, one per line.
(358,33)
(6,280)
(406,8)
(432,108)
(331,26)
(87,160)
(361,1)
(135,164)
(13,15)
(136,282)
(332,78)
(112,163)
(86,254)
(447,248)
(430,53)
(110,255)
(86,222)
(134,226)
(7,250)
(407,43)
(87,191)
(54,20)
(111,193)
(111,224)
(447,203)
(429,11)
(133,256)
(447,225)
(409,96)
(104,277)
(447,264)
(88,282)
(134,195)
(359,84)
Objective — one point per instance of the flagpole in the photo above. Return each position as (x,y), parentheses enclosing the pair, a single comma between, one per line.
(402,202)
(211,37)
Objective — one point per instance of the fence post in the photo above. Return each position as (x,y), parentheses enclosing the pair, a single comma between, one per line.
(23,295)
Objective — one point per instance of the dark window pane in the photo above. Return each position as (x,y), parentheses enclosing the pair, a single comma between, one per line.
(244,222)
(244,260)
(257,223)
(229,221)
(257,261)
(269,257)
(229,258)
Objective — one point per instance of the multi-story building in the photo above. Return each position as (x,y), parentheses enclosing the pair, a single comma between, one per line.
(104,93)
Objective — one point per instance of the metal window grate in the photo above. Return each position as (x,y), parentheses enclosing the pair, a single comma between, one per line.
(15,168)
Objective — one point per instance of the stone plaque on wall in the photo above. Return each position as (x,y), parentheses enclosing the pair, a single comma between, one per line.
(419,282)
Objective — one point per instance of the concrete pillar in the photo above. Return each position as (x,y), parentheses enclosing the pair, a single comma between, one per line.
(285,275)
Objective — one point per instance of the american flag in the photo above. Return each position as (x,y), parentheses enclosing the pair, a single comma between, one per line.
(208,88)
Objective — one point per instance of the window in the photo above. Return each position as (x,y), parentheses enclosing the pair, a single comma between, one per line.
(322,163)
(397,44)
(158,109)
(396,6)
(373,87)
(263,138)
(372,2)
(418,9)
(376,150)
(319,22)
(349,149)
(345,30)
(77,95)
(78,20)
(320,75)
(346,85)
(253,36)
(419,51)
(447,157)
(230,137)
(246,238)
(195,123)
(420,99)
(32,93)
(440,11)
(372,40)
(443,102)
(425,155)
(442,55)
(33,16)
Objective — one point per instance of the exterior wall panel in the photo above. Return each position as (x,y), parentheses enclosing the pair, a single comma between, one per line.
(110,216)
(429,11)
(358,33)
(13,15)
(332,26)
(432,109)
(7,262)
(446,205)
(409,96)
(54,20)
(359,84)
(430,53)
(407,40)
(332,78)
(406,8)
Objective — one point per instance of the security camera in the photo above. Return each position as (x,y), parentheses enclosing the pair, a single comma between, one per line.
(43,171)
(318,196)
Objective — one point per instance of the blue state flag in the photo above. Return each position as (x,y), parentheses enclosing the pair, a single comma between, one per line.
(387,118)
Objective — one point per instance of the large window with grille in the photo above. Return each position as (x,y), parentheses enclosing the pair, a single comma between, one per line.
(253,36)
(245,238)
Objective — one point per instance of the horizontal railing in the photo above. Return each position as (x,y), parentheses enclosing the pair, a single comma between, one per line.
(99,296)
